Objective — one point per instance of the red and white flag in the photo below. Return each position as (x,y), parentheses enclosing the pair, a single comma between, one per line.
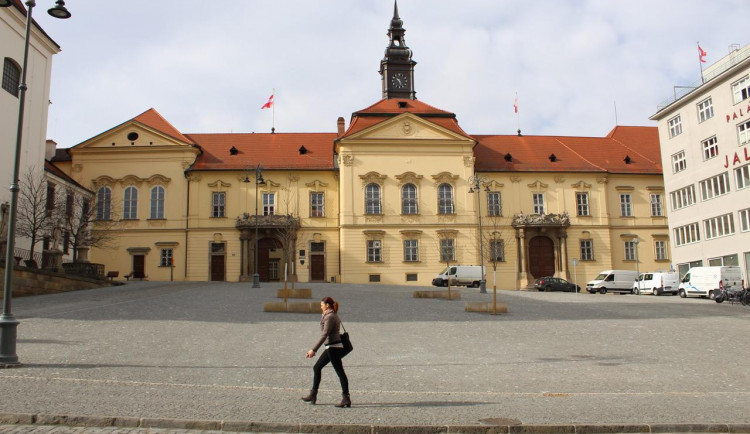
(268,103)
(515,105)
(701,54)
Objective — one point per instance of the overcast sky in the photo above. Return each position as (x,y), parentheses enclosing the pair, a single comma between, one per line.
(208,66)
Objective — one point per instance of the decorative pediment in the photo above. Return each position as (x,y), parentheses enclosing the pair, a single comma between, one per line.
(157,179)
(447,233)
(409,177)
(374,234)
(411,233)
(103,180)
(494,185)
(131,180)
(538,185)
(316,185)
(624,188)
(271,185)
(219,185)
(580,185)
(444,177)
(655,188)
(408,126)
(373,177)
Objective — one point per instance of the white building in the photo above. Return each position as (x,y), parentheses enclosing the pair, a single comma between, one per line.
(38,74)
(704,133)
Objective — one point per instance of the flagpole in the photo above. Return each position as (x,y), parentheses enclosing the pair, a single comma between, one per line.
(518,116)
(273,112)
(700,60)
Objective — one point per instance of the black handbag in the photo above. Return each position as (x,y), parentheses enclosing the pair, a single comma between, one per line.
(346,342)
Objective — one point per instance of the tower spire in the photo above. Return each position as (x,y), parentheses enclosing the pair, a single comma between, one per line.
(397,67)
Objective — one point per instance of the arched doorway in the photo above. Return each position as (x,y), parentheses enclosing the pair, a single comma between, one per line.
(541,257)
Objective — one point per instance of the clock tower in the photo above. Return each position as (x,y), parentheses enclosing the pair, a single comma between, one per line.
(397,68)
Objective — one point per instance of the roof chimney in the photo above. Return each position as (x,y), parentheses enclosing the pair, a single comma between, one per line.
(49,150)
(340,125)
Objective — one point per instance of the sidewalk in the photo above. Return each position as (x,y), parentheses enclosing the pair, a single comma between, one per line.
(158,354)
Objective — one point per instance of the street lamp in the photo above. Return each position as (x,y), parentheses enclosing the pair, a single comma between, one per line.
(475,184)
(8,323)
(258,181)
(637,270)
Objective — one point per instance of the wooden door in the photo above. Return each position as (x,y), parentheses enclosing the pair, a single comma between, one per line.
(541,257)
(139,266)
(217,268)
(317,268)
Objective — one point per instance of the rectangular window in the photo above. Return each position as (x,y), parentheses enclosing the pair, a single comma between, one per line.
(715,186)
(679,162)
(657,206)
(269,203)
(538,203)
(11,76)
(675,126)
(741,89)
(374,251)
(411,251)
(683,197)
(412,277)
(497,251)
(720,226)
(630,247)
(710,148)
(447,250)
(582,204)
(587,250)
(219,203)
(743,133)
(705,110)
(745,220)
(660,250)
(626,205)
(317,205)
(687,234)
(742,175)
(165,259)
(494,205)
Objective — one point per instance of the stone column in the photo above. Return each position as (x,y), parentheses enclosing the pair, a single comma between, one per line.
(524,278)
(564,248)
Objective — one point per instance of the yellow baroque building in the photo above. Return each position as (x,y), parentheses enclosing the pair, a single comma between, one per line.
(393,198)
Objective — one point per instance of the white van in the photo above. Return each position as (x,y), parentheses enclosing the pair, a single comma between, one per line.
(613,280)
(705,281)
(459,275)
(657,283)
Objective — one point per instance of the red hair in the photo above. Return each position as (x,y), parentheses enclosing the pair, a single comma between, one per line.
(333,304)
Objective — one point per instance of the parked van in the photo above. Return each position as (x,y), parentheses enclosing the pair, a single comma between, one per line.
(613,280)
(459,275)
(657,283)
(705,281)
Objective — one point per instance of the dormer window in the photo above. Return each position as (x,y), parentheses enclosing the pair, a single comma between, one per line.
(302,150)
(233,151)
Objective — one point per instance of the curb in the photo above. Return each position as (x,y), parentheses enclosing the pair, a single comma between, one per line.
(249,426)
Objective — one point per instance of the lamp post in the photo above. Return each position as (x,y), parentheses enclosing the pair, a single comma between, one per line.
(637,270)
(8,323)
(258,181)
(475,184)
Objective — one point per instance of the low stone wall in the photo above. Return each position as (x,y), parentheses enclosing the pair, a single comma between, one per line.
(37,282)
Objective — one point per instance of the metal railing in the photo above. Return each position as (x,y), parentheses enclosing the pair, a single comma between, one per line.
(709,74)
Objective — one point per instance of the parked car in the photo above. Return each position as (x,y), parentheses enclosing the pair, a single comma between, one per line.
(657,283)
(459,275)
(613,280)
(555,284)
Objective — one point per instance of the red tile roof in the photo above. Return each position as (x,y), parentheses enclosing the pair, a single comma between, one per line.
(273,151)
(151,118)
(572,154)
(388,108)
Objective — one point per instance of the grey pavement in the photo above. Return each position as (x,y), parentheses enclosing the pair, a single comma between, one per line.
(204,356)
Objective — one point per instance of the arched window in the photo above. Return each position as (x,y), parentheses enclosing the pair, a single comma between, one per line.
(130,204)
(11,76)
(372,199)
(157,202)
(409,199)
(445,199)
(103,203)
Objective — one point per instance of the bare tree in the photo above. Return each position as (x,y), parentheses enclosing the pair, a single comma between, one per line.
(37,202)
(289,228)
(78,219)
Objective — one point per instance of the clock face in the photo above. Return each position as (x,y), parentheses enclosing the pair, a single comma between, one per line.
(399,80)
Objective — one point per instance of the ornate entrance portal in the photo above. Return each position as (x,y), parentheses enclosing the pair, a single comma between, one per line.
(541,257)
(277,237)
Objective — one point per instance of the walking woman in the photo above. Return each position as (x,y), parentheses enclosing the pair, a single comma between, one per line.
(329,325)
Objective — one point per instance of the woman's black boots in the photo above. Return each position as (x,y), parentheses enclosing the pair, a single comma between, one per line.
(312,397)
(345,401)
